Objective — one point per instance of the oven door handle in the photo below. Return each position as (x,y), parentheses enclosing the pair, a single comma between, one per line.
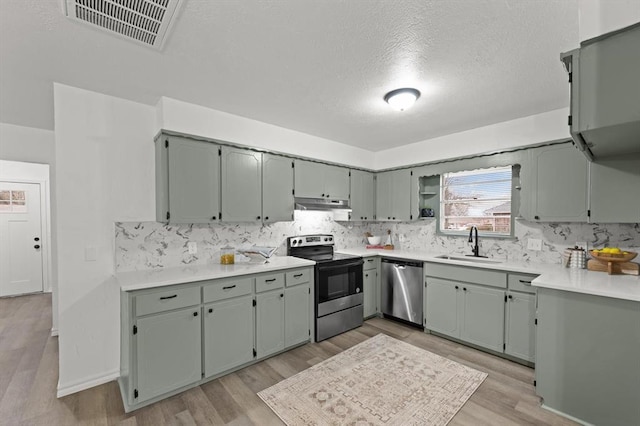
(358,262)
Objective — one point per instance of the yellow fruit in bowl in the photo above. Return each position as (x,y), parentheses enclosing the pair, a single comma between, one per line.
(615,250)
(605,250)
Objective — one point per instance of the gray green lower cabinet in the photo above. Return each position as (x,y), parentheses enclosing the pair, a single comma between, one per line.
(468,312)
(485,308)
(370,286)
(168,350)
(228,334)
(519,336)
(588,357)
(482,313)
(270,322)
(296,315)
(176,337)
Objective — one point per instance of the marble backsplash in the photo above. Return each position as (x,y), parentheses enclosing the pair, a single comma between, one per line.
(148,245)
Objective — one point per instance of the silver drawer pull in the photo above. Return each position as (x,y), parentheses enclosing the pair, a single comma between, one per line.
(168,297)
(229,287)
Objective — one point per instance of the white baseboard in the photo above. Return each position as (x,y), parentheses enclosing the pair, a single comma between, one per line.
(54,332)
(88,383)
(567,416)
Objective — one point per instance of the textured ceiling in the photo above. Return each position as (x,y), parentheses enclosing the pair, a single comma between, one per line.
(318,66)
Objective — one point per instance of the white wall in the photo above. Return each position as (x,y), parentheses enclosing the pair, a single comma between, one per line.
(28,144)
(25,146)
(200,121)
(598,17)
(105,173)
(531,130)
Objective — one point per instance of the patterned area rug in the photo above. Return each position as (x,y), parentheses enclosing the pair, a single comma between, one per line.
(381,381)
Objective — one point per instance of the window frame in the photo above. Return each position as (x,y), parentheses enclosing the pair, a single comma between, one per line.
(515,205)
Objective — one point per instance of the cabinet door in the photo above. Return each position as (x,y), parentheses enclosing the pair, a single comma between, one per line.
(401,195)
(270,322)
(441,305)
(558,184)
(194,181)
(168,352)
(336,182)
(609,89)
(241,185)
(482,316)
(370,290)
(384,184)
(520,327)
(309,179)
(615,185)
(362,195)
(277,188)
(228,334)
(296,315)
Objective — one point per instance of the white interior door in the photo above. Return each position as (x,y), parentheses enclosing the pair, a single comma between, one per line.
(20,238)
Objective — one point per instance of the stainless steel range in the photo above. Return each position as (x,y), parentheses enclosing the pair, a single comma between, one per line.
(338,284)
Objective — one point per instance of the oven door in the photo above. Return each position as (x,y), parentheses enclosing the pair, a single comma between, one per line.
(335,280)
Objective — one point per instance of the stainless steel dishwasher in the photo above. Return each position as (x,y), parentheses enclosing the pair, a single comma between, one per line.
(402,290)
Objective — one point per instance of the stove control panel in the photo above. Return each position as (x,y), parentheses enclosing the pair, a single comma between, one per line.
(310,240)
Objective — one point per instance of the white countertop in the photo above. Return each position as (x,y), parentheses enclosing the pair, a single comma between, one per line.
(551,276)
(138,280)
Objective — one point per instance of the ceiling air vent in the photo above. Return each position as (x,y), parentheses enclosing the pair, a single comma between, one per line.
(145,21)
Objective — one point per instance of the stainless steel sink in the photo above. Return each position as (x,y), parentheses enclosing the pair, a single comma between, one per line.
(471,259)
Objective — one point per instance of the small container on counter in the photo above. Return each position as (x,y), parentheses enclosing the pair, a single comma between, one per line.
(227,255)
(578,258)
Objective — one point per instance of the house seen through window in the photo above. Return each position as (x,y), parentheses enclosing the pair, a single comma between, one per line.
(480,198)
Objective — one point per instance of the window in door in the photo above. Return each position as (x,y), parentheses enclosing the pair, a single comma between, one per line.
(13,202)
(481,198)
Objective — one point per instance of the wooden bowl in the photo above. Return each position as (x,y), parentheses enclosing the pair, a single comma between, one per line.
(613,257)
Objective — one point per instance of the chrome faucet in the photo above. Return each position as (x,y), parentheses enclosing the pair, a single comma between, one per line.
(475,249)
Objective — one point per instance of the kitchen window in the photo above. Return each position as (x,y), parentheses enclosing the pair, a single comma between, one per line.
(481,198)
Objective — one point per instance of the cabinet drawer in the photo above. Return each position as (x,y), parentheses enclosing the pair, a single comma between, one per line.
(269,282)
(226,289)
(466,274)
(297,277)
(521,282)
(370,263)
(167,300)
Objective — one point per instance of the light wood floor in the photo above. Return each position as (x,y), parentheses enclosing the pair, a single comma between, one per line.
(29,375)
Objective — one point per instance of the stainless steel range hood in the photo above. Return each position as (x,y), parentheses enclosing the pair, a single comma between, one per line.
(323,204)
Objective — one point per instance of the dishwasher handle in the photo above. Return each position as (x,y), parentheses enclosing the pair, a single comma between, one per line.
(401,263)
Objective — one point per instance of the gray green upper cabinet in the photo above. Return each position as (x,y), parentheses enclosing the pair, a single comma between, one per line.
(187,180)
(362,195)
(556,184)
(393,193)
(241,185)
(425,193)
(605,114)
(317,180)
(277,188)
(615,189)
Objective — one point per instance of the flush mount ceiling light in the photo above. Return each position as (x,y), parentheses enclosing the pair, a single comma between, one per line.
(402,99)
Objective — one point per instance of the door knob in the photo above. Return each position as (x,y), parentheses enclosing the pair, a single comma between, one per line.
(36,246)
